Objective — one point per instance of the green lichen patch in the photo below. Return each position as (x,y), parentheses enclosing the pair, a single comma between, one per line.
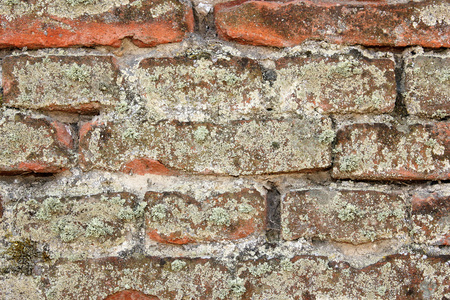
(236,148)
(74,224)
(174,217)
(352,216)
(67,83)
(382,152)
(336,85)
(31,145)
(427,85)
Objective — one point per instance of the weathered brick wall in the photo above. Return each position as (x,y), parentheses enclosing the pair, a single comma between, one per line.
(164,149)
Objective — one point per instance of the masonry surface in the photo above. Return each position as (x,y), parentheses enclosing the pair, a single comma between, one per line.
(165,149)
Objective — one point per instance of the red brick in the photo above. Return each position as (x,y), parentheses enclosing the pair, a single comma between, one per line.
(430,216)
(237,147)
(351,216)
(336,85)
(177,218)
(47,23)
(130,295)
(285,24)
(427,85)
(385,152)
(83,84)
(141,166)
(34,146)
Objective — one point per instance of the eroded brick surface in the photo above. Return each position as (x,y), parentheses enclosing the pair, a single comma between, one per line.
(431,217)
(64,23)
(284,24)
(202,89)
(336,85)
(177,218)
(351,216)
(66,83)
(427,85)
(383,152)
(33,145)
(239,147)
(162,278)
(397,277)
(74,225)
(315,277)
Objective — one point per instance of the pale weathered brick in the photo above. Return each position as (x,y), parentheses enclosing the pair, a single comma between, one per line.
(427,85)
(82,84)
(202,89)
(344,215)
(383,152)
(177,218)
(239,147)
(33,145)
(76,225)
(430,216)
(336,85)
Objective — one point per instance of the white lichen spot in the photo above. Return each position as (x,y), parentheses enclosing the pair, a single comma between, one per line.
(237,286)
(97,228)
(220,217)
(177,265)
(436,14)
(349,163)
(201,133)
(327,136)
(158,212)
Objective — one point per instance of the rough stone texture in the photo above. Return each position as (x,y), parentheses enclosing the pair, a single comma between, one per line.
(73,84)
(75,226)
(350,216)
(30,145)
(64,23)
(177,218)
(431,217)
(336,85)
(284,24)
(427,85)
(384,152)
(239,147)
(202,89)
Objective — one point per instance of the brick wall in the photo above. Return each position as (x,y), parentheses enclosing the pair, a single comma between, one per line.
(239,150)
